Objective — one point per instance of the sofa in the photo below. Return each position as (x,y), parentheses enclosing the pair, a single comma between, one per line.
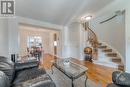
(120,79)
(23,74)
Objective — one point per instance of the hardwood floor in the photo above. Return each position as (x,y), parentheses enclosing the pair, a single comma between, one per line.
(97,73)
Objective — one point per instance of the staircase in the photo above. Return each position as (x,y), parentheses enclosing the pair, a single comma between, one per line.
(102,53)
(113,58)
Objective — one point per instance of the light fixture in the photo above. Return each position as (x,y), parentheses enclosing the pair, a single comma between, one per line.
(55,43)
(86,18)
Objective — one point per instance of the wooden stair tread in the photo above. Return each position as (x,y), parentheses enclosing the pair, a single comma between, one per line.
(115,58)
(111,54)
(119,63)
(121,67)
(99,44)
(102,47)
(107,50)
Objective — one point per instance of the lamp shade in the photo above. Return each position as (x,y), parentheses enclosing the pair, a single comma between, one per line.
(55,43)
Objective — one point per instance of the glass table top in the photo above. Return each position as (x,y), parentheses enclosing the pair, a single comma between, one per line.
(70,68)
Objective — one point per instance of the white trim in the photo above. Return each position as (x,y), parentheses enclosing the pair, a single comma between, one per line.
(38,23)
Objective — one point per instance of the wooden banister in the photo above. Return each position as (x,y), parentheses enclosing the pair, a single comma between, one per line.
(92,37)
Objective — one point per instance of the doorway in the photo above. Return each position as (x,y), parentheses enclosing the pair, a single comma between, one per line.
(35,39)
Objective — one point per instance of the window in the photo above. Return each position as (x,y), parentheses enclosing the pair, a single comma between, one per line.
(34,41)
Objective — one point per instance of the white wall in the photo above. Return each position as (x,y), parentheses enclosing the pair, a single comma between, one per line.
(116,41)
(4,37)
(71,37)
(65,37)
(128,37)
(83,41)
(13,33)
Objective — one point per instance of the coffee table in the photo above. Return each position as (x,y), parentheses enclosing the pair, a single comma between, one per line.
(71,70)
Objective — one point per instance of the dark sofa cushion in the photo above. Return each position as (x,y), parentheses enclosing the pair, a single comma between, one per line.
(25,65)
(113,85)
(4,80)
(28,74)
(121,78)
(40,81)
(24,76)
(7,66)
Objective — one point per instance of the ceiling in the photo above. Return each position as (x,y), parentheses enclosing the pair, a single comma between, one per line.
(59,12)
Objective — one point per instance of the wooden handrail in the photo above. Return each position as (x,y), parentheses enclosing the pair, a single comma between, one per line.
(92,38)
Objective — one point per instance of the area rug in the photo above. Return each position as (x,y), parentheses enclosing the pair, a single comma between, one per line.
(62,80)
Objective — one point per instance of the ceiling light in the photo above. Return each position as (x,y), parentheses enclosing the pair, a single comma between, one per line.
(87,18)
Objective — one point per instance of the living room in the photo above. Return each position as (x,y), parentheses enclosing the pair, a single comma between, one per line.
(109,20)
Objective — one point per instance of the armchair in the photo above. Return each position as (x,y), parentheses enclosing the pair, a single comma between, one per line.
(120,79)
